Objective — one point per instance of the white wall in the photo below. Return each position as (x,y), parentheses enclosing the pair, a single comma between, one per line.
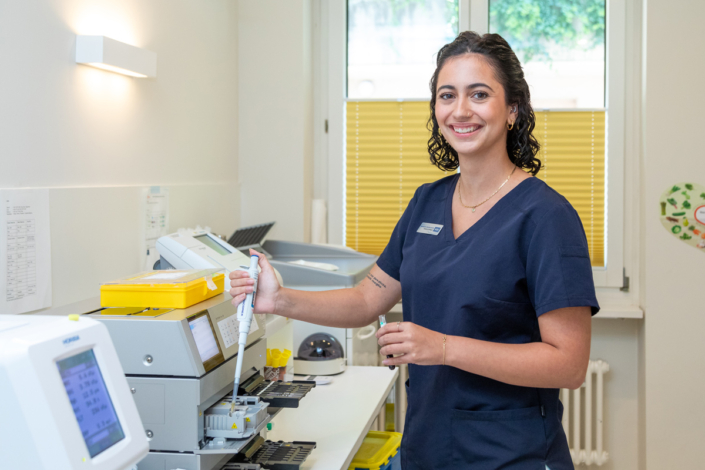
(95,232)
(96,137)
(616,342)
(276,115)
(674,326)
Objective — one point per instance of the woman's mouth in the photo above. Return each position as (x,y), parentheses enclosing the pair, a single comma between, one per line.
(465,129)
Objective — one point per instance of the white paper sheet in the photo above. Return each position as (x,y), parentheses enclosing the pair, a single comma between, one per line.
(25,264)
(156,216)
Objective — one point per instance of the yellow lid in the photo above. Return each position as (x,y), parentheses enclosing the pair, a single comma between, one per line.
(172,278)
(376,450)
(163,289)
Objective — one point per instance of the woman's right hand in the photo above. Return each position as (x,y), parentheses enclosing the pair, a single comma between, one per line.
(267,286)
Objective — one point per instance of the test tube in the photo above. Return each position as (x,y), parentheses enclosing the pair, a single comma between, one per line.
(286,354)
(382,322)
(272,372)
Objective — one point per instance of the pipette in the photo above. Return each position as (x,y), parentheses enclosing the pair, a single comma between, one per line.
(244,314)
(382,322)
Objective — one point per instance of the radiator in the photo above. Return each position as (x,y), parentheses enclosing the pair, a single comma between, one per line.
(580,417)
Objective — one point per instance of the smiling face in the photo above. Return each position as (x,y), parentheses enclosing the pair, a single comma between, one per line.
(470,109)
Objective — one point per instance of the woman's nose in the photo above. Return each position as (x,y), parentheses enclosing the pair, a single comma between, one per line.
(463,110)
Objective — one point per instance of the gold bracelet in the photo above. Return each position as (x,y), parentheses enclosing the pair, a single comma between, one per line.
(444,349)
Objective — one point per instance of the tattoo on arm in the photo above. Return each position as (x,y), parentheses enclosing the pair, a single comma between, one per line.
(376,281)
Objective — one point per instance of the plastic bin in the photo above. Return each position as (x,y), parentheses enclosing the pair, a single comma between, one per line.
(163,289)
(379,451)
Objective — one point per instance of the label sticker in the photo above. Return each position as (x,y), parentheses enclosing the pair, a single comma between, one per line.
(253,326)
(230,329)
(430,229)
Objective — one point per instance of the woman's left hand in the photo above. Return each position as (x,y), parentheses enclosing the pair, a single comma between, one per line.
(413,344)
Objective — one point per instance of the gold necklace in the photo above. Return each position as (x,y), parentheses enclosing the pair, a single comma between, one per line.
(460,196)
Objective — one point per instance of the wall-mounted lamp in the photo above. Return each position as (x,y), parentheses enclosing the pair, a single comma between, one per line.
(115,56)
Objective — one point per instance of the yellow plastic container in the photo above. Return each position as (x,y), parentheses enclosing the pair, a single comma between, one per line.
(286,354)
(389,417)
(276,356)
(163,289)
(379,451)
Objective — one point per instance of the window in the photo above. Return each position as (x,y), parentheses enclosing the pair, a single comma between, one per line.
(386,160)
(573,158)
(573,56)
(392,46)
(561,45)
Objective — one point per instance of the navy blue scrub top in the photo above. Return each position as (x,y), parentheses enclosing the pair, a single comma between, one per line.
(526,256)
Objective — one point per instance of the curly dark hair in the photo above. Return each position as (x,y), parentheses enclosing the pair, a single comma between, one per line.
(522,146)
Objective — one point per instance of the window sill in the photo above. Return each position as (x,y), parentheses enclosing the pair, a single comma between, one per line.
(609,311)
(617,304)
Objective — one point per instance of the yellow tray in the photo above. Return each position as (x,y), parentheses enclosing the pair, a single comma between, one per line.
(163,289)
(376,451)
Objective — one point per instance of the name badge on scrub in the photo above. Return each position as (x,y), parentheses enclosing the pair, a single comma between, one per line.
(430,229)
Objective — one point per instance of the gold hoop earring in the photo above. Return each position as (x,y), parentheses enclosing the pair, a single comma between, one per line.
(510,126)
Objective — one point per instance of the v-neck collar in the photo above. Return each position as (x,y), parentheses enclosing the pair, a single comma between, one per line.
(494,210)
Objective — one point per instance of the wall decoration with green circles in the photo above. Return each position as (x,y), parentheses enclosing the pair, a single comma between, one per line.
(683,213)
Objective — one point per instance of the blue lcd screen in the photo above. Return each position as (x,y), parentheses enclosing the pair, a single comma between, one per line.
(91,402)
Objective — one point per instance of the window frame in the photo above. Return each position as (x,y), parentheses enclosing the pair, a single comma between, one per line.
(329,157)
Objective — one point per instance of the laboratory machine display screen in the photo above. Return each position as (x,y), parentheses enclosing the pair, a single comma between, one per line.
(208,241)
(205,340)
(91,402)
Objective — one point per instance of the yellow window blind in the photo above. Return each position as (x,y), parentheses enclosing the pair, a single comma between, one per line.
(387,159)
(573,157)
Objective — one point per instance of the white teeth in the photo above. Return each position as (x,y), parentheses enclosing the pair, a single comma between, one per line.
(465,130)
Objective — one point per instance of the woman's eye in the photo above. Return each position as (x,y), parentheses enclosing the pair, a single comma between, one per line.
(481,95)
(445,96)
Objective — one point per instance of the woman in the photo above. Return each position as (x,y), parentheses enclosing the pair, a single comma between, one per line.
(493,269)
